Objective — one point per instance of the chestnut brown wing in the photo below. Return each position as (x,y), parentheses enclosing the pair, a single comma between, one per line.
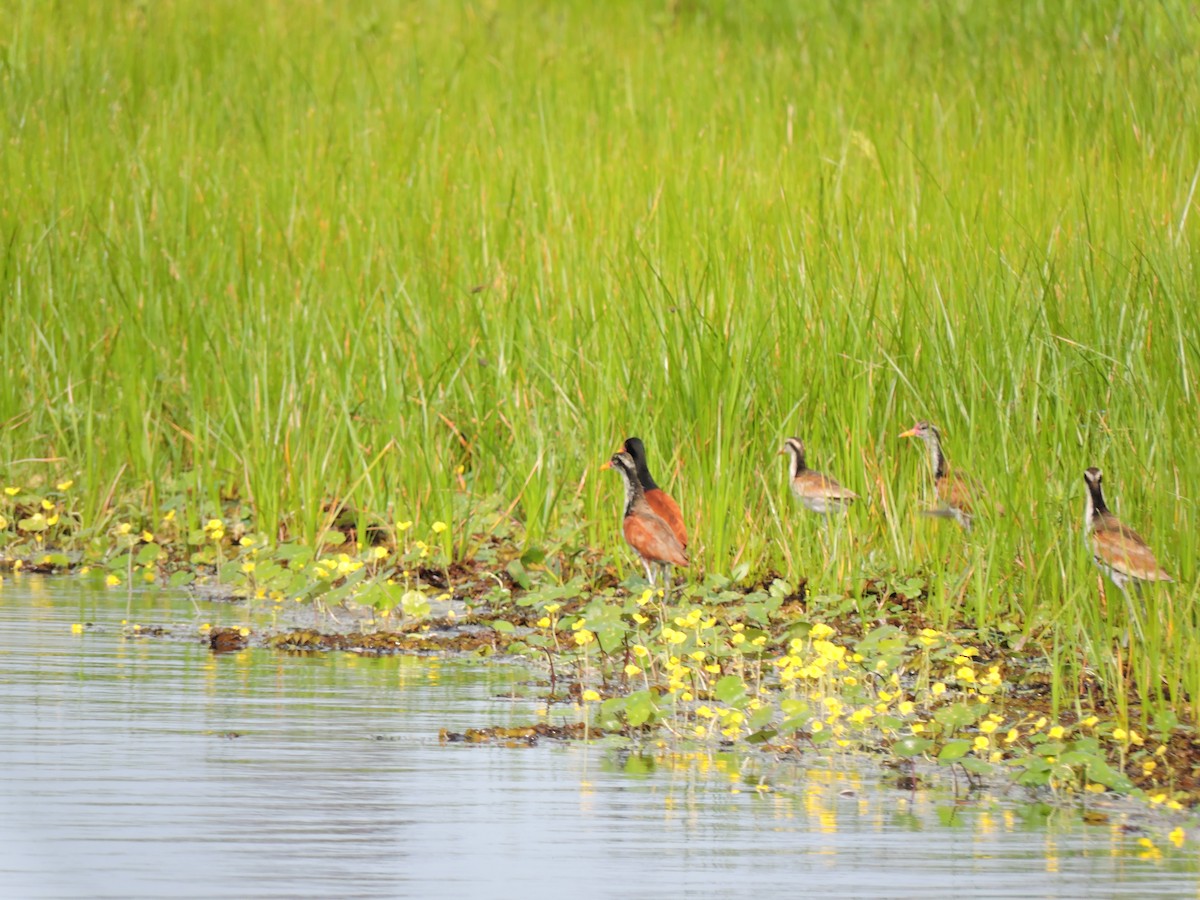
(1123,549)
(668,510)
(651,537)
(959,491)
(814,484)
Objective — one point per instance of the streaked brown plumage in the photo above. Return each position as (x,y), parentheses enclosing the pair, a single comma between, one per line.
(957,493)
(645,531)
(661,502)
(1118,550)
(816,491)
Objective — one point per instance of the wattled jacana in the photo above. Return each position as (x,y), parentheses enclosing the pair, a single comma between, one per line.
(666,508)
(645,531)
(957,492)
(816,491)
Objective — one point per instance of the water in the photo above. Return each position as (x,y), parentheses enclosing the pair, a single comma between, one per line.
(148,767)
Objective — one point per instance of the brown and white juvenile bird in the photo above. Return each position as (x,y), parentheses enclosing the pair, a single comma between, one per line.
(1118,550)
(645,531)
(816,491)
(957,493)
(659,500)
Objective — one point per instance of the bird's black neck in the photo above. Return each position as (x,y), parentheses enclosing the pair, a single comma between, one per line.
(633,490)
(937,458)
(798,464)
(644,476)
(1096,497)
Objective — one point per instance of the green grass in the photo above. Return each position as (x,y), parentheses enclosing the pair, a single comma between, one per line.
(300,253)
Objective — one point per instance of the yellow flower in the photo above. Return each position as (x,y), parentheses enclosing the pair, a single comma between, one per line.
(404,526)
(543,622)
(1119,734)
(50,520)
(1089,722)
(906,707)
(47,505)
(938,689)
(820,630)
(1013,735)
(1176,837)
(590,696)
(124,528)
(1056,732)
(12,491)
(439,527)
(3,523)
(966,673)
(244,631)
(1096,788)
(981,743)
(817,726)
(247,567)
(987,727)
(77,628)
(631,669)
(147,537)
(65,485)
(113,580)
(1148,766)
(380,552)
(584,637)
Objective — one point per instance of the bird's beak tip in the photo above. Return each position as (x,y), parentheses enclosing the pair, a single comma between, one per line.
(607,464)
(912,432)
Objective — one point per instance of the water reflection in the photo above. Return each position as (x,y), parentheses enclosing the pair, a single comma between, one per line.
(133,766)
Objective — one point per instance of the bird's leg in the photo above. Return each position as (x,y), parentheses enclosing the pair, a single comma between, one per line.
(1134,619)
(649,571)
(666,577)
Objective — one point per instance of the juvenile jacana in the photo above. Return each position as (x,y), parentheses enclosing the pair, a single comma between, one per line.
(666,508)
(645,531)
(1117,549)
(956,492)
(816,491)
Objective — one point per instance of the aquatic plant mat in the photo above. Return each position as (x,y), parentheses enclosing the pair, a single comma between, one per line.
(758,664)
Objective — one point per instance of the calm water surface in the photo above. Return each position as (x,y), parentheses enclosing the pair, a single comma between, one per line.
(147,767)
